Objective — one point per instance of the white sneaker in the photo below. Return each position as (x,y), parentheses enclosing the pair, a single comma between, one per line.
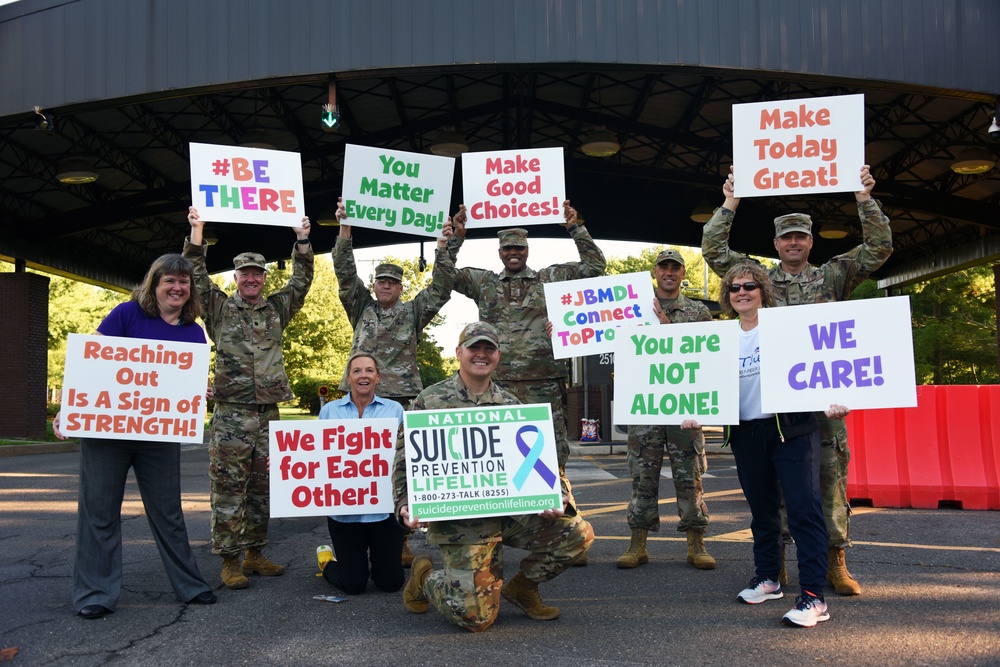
(760,590)
(809,610)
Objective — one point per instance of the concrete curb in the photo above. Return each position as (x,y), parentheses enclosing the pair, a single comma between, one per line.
(38,448)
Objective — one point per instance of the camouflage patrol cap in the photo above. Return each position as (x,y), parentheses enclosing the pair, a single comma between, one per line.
(793,222)
(670,255)
(477,331)
(393,271)
(515,236)
(245,260)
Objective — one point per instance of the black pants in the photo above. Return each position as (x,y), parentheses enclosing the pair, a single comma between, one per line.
(768,467)
(355,544)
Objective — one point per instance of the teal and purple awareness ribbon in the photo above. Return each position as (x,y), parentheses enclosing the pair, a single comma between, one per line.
(531,460)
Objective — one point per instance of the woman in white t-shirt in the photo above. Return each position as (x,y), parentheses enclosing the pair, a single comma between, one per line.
(775,455)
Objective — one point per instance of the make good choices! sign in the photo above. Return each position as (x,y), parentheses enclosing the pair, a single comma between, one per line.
(247,185)
(514,188)
(853,353)
(332,466)
(397,191)
(466,463)
(134,389)
(799,146)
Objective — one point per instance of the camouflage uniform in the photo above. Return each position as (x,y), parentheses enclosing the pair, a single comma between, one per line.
(685,448)
(391,334)
(249,382)
(515,304)
(833,281)
(467,590)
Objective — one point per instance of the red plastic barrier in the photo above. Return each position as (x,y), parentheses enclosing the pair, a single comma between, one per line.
(947,449)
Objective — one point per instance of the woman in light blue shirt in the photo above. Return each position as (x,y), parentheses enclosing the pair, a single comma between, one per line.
(360,540)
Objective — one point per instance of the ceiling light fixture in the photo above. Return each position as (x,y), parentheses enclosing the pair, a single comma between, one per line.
(450,143)
(703,212)
(600,142)
(75,171)
(257,138)
(975,160)
(833,230)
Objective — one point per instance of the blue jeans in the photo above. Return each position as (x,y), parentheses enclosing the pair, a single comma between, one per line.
(768,467)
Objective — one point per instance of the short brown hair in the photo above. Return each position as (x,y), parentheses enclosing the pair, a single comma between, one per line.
(358,355)
(759,276)
(167,265)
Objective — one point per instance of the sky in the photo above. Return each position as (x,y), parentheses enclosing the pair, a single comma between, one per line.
(482,253)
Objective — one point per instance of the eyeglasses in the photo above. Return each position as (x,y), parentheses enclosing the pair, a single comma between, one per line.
(749,286)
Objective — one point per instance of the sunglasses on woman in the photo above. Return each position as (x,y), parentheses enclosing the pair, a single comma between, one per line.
(749,286)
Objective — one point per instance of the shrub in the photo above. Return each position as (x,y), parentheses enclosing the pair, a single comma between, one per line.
(306,392)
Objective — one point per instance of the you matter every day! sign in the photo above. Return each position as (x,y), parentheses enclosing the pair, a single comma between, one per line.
(332,466)
(479,462)
(514,188)
(799,146)
(853,353)
(667,373)
(587,314)
(397,191)
(134,389)
(247,185)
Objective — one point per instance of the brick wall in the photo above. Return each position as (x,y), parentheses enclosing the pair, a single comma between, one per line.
(23,355)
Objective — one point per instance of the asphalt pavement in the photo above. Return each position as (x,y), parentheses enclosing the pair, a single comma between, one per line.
(931,582)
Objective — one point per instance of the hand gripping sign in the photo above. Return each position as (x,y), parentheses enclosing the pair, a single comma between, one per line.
(799,146)
(247,185)
(134,389)
(514,188)
(478,462)
(397,191)
(332,466)
(853,353)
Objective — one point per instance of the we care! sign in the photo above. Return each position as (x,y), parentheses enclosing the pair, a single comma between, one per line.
(586,314)
(331,466)
(853,353)
(134,389)
(397,191)
(667,373)
(514,188)
(247,185)
(799,146)
(480,462)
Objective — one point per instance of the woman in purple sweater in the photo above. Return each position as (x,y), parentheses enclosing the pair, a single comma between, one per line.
(162,308)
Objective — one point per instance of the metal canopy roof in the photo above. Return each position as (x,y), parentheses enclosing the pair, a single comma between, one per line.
(672,120)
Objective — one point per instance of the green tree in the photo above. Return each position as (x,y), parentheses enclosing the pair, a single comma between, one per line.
(954,328)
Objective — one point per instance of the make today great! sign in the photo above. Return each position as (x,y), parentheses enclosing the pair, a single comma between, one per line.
(799,146)
(480,462)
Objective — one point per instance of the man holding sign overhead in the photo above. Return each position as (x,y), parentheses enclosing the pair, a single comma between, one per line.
(467,590)
(514,302)
(250,381)
(798,282)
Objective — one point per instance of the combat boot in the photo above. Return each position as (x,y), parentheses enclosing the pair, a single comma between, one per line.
(636,554)
(407,558)
(232,574)
(257,563)
(523,592)
(413,595)
(838,575)
(697,554)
